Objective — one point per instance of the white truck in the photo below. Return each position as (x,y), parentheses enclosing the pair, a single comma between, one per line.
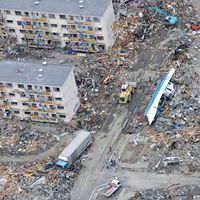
(75,148)
(110,188)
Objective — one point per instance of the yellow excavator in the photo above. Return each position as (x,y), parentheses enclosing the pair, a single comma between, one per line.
(127,90)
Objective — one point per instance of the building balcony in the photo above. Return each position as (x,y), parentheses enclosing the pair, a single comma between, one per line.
(29,36)
(3,98)
(72,30)
(33,109)
(2,89)
(25,18)
(87,23)
(90,40)
(1,33)
(71,21)
(90,49)
(4,106)
(42,19)
(50,111)
(46,93)
(44,28)
(45,37)
(34,117)
(28,27)
(47,102)
(89,32)
(73,39)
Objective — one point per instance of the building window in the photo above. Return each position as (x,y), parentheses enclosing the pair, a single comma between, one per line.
(96,19)
(48,89)
(13,103)
(22,31)
(12,94)
(71,17)
(52,16)
(63,26)
(54,25)
(56,89)
(25,104)
(19,23)
(98,29)
(62,17)
(16,111)
(28,23)
(43,15)
(100,38)
(58,99)
(18,13)
(20,86)
(60,107)
(26,14)
(88,19)
(12,30)
(50,99)
(29,87)
(9,85)
(62,116)
(9,21)
(22,94)
(46,25)
(56,34)
(7,12)
(65,35)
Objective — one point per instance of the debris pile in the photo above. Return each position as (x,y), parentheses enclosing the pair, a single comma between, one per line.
(174,192)
(22,138)
(33,181)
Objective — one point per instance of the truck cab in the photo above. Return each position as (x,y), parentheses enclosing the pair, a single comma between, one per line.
(63,164)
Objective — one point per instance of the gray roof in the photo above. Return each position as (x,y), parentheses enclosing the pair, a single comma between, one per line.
(28,73)
(81,137)
(70,7)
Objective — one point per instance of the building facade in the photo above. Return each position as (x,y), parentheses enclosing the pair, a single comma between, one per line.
(84,25)
(46,93)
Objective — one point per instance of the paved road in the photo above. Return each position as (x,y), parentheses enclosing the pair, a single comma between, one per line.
(92,175)
(96,172)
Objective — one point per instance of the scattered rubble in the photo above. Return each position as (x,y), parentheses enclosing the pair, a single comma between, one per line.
(171,144)
(33,181)
(174,192)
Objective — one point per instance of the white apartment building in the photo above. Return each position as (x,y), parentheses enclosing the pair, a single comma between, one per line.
(46,93)
(83,25)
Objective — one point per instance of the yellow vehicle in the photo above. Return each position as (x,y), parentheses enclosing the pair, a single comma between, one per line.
(126,93)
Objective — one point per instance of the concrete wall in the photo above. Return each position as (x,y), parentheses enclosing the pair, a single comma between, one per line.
(107,21)
(70,96)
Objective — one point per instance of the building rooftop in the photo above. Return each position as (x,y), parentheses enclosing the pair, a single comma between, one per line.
(70,7)
(33,73)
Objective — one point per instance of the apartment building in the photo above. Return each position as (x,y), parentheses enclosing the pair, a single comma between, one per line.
(83,25)
(46,93)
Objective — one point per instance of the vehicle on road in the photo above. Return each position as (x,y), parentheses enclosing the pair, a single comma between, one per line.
(127,90)
(110,188)
(77,146)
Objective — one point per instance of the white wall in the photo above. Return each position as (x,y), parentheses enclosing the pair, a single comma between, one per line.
(70,96)
(107,21)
